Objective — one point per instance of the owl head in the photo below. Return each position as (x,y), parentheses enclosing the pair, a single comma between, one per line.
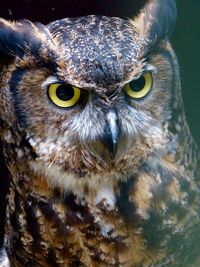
(89,96)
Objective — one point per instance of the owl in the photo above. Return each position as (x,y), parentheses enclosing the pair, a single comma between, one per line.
(103,170)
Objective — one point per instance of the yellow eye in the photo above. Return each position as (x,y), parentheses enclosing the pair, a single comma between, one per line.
(140,87)
(63,95)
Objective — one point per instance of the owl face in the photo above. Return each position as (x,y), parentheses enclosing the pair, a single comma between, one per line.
(87,94)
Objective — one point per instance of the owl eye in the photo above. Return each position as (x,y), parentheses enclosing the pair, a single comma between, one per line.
(63,95)
(140,87)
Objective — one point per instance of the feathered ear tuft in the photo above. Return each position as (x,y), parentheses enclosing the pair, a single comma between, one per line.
(156,20)
(17,39)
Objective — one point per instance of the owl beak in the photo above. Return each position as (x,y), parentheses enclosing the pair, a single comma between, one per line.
(112,131)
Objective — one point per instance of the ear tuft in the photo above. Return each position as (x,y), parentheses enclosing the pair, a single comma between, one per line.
(156,20)
(18,38)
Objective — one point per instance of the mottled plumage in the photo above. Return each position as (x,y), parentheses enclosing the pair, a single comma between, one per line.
(113,178)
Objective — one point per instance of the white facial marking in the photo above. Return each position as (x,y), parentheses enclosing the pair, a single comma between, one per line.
(151,68)
(49,80)
(69,182)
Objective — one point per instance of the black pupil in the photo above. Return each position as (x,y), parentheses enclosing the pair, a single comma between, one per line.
(138,85)
(65,92)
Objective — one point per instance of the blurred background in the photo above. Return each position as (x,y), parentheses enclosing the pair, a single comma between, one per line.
(185,38)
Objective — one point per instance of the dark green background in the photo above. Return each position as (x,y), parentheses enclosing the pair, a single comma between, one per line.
(186,36)
(186,40)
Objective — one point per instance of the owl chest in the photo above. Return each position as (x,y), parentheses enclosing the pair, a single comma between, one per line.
(68,231)
(124,227)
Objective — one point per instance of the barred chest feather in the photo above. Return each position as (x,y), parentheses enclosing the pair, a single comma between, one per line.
(142,221)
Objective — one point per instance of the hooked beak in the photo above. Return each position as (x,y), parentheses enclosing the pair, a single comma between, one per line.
(112,131)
